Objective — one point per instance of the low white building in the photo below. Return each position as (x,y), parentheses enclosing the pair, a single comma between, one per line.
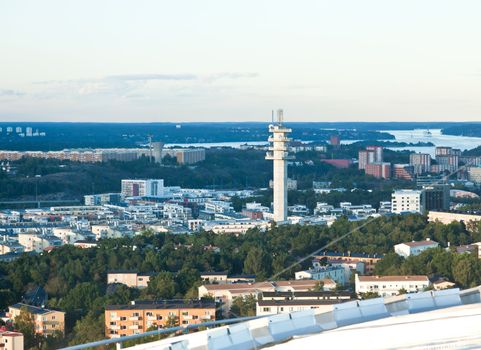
(390,285)
(235,226)
(272,303)
(335,273)
(407,201)
(414,248)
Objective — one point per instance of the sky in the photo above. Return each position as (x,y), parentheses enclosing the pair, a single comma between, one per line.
(227,60)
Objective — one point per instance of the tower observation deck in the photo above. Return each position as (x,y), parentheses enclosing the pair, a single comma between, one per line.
(278,152)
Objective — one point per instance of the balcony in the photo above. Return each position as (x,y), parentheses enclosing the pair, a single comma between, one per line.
(134,327)
(114,328)
(135,318)
(116,318)
(206,317)
(151,318)
(187,317)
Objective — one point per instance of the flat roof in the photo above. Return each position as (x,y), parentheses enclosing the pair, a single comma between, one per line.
(414,278)
(164,304)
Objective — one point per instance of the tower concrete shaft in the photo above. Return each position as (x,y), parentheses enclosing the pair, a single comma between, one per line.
(278,152)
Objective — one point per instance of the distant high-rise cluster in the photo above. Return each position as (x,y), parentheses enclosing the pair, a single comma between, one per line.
(19,131)
(371,160)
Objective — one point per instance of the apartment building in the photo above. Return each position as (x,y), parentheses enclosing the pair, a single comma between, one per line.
(223,277)
(131,279)
(407,201)
(318,272)
(271,303)
(11,340)
(390,285)
(226,293)
(37,242)
(369,260)
(139,316)
(448,217)
(47,322)
(142,188)
(414,248)
(421,162)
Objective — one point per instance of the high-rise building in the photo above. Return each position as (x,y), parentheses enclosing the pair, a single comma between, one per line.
(421,162)
(379,170)
(278,153)
(407,201)
(436,197)
(447,159)
(157,151)
(372,154)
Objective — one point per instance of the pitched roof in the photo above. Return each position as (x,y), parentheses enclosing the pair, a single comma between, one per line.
(32,309)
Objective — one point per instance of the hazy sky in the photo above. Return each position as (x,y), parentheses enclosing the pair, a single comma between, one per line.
(226,60)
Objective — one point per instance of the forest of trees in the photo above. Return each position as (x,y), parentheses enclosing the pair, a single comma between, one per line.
(75,278)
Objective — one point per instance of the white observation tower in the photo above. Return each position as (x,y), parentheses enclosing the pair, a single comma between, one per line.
(278,152)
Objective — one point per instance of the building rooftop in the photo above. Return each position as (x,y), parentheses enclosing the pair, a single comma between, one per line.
(164,304)
(420,243)
(32,309)
(414,278)
(298,302)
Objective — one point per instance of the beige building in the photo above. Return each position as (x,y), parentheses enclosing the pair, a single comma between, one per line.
(138,317)
(47,322)
(11,340)
(448,217)
(129,278)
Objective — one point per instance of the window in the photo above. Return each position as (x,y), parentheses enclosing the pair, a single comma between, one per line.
(135,314)
(266,309)
(185,313)
(185,322)
(159,318)
(149,314)
(195,317)
(123,318)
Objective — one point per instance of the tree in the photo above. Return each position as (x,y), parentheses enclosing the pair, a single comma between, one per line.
(369,295)
(257,262)
(89,329)
(243,306)
(161,286)
(25,324)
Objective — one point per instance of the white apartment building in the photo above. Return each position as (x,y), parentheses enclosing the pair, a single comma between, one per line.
(235,226)
(414,248)
(390,285)
(335,273)
(272,303)
(407,201)
(218,206)
(143,188)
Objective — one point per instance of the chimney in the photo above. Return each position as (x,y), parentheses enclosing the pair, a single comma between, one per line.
(132,302)
(428,239)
